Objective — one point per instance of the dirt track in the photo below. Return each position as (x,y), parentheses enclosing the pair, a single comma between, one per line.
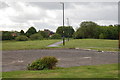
(18,60)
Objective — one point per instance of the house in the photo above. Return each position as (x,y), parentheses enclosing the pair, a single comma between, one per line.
(50,33)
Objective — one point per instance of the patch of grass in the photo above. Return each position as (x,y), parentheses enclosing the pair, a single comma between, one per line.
(22,45)
(97,44)
(96,71)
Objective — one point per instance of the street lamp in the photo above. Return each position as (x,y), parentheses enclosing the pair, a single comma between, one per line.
(68,28)
(63,24)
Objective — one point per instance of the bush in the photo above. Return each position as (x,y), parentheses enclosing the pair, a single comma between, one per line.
(56,36)
(36,36)
(48,62)
(21,38)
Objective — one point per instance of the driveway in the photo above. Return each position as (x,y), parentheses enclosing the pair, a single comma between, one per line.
(18,60)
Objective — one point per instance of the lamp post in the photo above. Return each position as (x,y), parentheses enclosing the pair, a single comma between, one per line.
(63,24)
(119,39)
(68,28)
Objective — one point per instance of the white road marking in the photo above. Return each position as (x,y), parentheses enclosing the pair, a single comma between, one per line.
(59,59)
(72,58)
(87,57)
(19,61)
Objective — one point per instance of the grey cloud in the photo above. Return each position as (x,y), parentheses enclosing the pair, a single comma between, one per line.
(119,13)
(76,12)
(3,5)
(41,26)
(68,5)
(96,12)
(46,5)
(88,11)
(52,5)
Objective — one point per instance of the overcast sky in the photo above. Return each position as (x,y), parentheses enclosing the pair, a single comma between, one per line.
(48,15)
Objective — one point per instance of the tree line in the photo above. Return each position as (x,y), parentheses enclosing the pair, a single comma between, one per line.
(31,33)
(87,29)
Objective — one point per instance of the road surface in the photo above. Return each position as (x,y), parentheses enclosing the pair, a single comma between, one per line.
(19,59)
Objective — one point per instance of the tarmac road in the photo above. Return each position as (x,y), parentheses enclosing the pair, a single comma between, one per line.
(19,59)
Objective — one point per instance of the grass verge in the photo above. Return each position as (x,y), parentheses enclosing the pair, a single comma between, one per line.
(96,71)
(97,44)
(23,45)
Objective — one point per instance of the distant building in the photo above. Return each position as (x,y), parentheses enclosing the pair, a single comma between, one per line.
(50,33)
(14,34)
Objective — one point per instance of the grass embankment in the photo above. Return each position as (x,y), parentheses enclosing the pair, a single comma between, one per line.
(97,71)
(97,44)
(22,45)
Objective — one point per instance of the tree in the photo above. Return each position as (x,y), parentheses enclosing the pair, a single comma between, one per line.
(31,31)
(68,31)
(6,35)
(110,32)
(101,36)
(79,34)
(22,32)
(56,36)
(44,34)
(87,29)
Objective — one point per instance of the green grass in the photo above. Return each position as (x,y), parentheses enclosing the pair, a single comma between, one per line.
(21,45)
(96,71)
(97,44)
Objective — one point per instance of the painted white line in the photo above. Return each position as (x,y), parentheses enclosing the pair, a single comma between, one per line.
(19,61)
(59,59)
(87,57)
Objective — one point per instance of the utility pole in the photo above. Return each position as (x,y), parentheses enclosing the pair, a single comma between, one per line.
(68,22)
(69,28)
(118,36)
(63,24)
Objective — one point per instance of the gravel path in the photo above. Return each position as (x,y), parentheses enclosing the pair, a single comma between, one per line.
(18,60)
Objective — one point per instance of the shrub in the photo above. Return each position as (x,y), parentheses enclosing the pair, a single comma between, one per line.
(21,38)
(36,36)
(56,36)
(48,62)
(36,65)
